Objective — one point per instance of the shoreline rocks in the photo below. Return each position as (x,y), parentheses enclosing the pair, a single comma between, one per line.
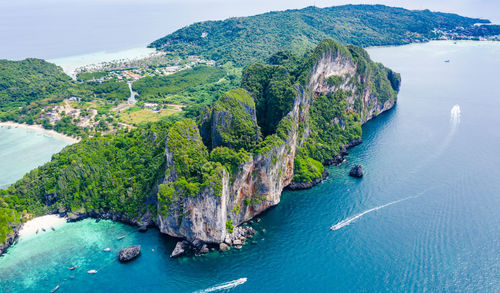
(236,239)
(307,185)
(129,253)
(336,160)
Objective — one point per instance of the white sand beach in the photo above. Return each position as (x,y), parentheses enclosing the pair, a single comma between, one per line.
(40,128)
(47,222)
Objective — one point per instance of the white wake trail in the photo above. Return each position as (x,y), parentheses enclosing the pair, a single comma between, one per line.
(224,286)
(455,115)
(354,218)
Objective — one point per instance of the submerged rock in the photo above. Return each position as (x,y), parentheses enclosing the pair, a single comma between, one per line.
(129,253)
(356,171)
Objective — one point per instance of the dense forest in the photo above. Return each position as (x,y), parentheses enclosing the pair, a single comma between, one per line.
(244,40)
(31,81)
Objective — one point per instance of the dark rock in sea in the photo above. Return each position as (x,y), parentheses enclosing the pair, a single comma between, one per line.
(181,248)
(143,228)
(356,171)
(129,253)
(306,185)
(97,220)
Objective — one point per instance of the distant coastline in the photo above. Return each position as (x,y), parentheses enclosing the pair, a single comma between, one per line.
(39,128)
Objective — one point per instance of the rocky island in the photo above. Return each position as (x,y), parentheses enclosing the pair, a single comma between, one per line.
(200,180)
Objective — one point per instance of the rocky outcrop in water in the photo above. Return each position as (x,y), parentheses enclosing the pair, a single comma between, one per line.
(129,253)
(356,171)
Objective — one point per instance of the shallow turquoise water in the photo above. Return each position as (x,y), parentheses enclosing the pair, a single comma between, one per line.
(22,150)
(444,237)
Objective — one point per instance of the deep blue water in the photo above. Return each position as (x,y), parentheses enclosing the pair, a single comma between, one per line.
(444,235)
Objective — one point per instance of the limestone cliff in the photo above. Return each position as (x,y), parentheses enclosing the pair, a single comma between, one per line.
(335,88)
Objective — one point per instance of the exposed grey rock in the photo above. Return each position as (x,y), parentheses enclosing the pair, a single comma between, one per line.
(204,249)
(129,253)
(223,247)
(180,248)
(238,246)
(76,217)
(237,242)
(143,228)
(228,240)
(356,171)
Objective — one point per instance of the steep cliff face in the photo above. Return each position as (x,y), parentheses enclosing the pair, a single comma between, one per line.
(256,186)
(336,89)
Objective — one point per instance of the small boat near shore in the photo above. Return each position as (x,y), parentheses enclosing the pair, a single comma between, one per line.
(55,289)
(121,237)
(92,272)
(107,249)
(43,229)
(72,268)
(52,227)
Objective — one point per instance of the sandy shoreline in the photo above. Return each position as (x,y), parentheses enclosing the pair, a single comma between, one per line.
(40,128)
(35,226)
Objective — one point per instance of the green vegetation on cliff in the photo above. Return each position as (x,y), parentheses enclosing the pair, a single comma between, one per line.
(245,40)
(233,121)
(8,217)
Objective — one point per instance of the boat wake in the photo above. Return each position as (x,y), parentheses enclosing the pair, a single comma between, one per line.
(455,115)
(347,221)
(224,286)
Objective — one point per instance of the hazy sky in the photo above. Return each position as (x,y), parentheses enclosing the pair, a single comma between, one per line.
(57,28)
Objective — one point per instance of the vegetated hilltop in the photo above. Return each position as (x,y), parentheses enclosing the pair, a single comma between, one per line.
(199,180)
(31,81)
(245,40)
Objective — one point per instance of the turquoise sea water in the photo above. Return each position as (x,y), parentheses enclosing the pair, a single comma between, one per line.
(441,234)
(22,150)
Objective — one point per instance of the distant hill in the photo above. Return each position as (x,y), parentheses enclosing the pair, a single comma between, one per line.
(245,40)
(31,80)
